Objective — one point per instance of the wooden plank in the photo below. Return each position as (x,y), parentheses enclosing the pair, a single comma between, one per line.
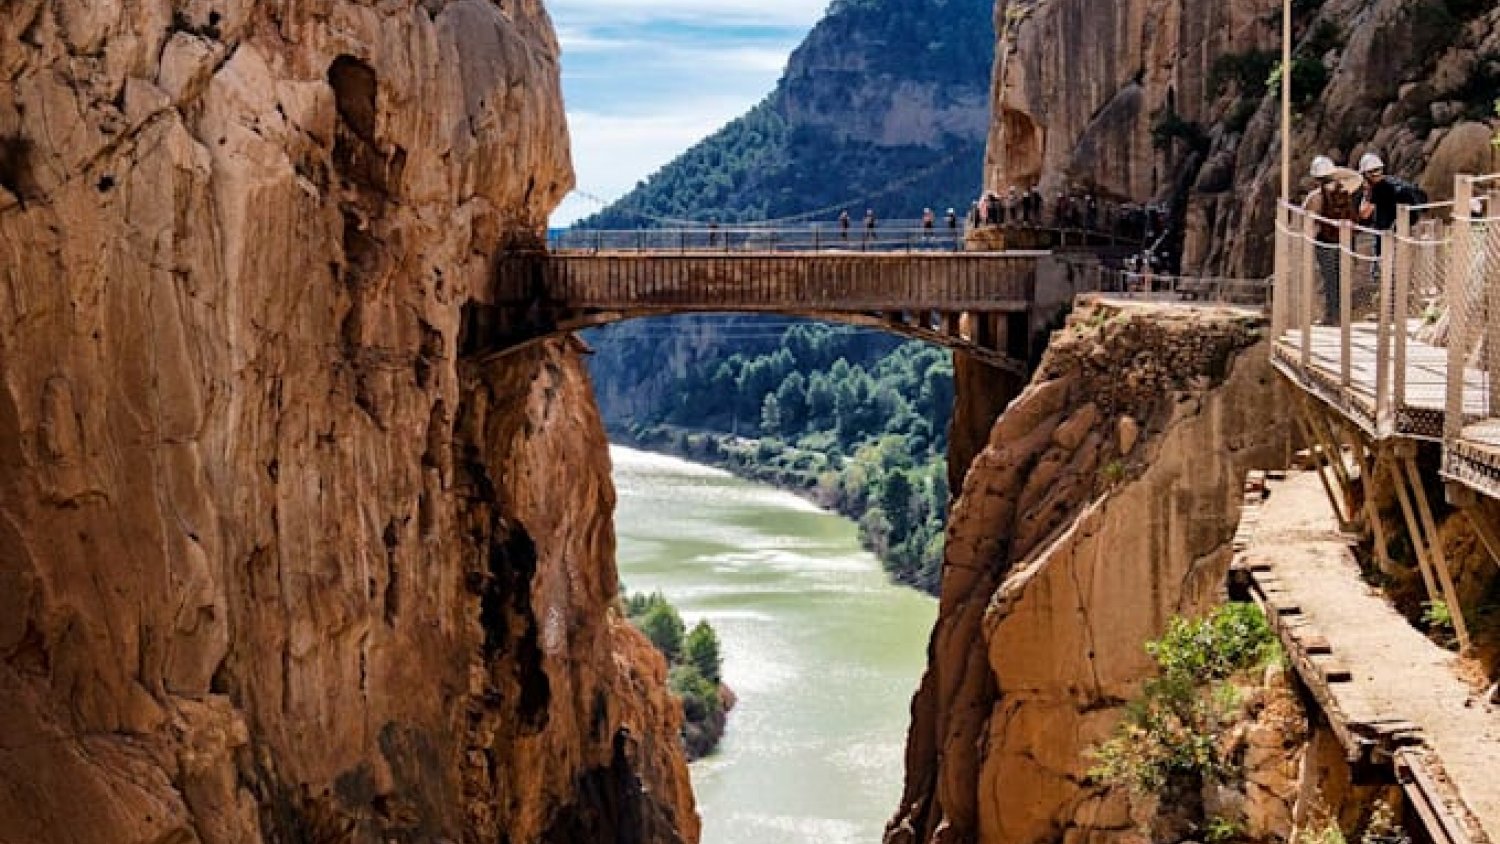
(1333,670)
(1315,644)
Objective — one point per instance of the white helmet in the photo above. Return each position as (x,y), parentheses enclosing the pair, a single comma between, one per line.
(1322,167)
(1370,161)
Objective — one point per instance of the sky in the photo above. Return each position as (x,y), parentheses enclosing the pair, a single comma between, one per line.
(643,80)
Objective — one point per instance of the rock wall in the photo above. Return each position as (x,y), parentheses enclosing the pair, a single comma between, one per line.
(1103,504)
(1165,100)
(278,562)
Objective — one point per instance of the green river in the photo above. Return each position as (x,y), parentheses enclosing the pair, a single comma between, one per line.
(823,652)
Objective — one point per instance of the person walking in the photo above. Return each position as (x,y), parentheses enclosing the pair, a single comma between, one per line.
(869,224)
(1332,204)
(1379,199)
(844,224)
(928,219)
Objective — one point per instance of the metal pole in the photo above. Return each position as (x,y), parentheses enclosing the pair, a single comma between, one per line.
(1286,100)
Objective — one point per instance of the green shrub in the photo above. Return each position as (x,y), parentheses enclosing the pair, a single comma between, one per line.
(663,626)
(1220,829)
(702,651)
(1233,638)
(700,696)
(1248,71)
(1169,733)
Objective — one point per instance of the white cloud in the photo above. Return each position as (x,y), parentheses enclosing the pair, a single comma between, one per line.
(647,79)
(612,152)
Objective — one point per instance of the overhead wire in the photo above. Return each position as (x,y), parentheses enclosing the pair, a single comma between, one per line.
(853,201)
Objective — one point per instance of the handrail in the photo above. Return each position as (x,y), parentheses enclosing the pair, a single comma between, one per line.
(902,235)
(1421,304)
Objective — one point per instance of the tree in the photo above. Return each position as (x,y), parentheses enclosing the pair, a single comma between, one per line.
(791,400)
(770,415)
(895,500)
(820,402)
(663,626)
(702,651)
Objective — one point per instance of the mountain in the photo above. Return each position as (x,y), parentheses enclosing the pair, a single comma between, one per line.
(885,105)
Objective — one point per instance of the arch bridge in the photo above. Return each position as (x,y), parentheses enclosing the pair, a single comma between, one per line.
(992,305)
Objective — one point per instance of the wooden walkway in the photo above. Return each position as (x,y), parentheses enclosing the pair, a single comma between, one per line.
(1418,395)
(1396,701)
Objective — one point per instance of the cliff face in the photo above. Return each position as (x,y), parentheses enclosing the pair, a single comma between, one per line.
(1103,504)
(1167,100)
(276,561)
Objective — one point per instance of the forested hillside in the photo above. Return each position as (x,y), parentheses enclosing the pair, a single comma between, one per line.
(884,106)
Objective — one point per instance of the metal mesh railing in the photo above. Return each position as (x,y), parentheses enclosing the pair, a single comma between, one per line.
(1400,330)
(886,236)
(1241,292)
(891,236)
(1471,430)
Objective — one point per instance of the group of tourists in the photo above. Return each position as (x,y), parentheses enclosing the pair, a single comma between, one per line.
(1016,207)
(871,223)
(1071,209)
(1367,198)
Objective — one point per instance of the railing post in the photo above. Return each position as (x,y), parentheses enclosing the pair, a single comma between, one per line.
(1489,303)
(1383,415)
(1309,273)
(1460,262)
(1280,289)
(1346,299)
(1402,294)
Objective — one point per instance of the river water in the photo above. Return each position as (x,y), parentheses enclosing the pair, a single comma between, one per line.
(823,652)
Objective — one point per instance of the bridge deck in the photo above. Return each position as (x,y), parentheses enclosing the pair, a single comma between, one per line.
(1416,408)
(822,282)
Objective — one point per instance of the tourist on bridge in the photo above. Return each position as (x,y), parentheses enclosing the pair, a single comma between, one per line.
(1332,202)
(975,217)
(927,221)
(844,224)
(952,217)
(1381,194)
(1378,199)
(993,212)
(869,224)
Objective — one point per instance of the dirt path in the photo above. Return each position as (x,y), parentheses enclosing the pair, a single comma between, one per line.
(1398,672)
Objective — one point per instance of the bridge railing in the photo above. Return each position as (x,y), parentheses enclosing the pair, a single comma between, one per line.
(787,282)
(1240,292)
(1400,329)
(889,236)
(886,236)
(1471,421)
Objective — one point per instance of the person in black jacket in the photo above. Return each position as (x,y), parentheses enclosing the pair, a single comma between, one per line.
(1381,194)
